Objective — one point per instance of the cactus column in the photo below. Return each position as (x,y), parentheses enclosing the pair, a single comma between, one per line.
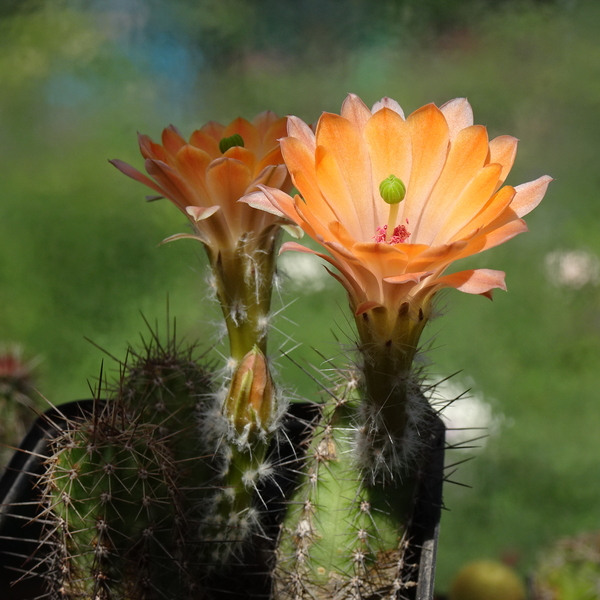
(345,534)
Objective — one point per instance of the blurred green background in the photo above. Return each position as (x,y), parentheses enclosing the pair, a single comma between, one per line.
(78,244)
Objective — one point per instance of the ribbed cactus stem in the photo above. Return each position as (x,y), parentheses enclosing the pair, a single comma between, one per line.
(343,537)
(114,493)
(123,486)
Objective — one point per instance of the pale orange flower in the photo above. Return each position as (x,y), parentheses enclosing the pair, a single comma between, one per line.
(206,176)
(455,205)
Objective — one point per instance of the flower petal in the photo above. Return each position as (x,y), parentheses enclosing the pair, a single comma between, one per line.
(355,110)
(429,135)
(333,186)
(388,103)
(192,164)
(499,202)
(202,140)
(474,197)
(383,260)
(363,307)
(248,132)
(151,150)
(459,115)
(264,120)
(274,157)
(172,182)
(529,195)
(494,237)
(270,140)
(199,213)
(415,277)
(299,159)
(172,140)
(214,130)
(466,157)
(243,155)
(503,150)
(280,201)
(342,139)
(294,230)
(273,175)
(298,129)
(316,220)
(475,281)
(388,139)
(227,180)
(135,174)
(259,200)
(436,257)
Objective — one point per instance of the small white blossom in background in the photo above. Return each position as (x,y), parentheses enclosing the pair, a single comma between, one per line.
(572,268)
(466,415)
(303,273)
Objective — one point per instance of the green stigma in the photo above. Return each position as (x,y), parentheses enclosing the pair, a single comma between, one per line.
(229,142)
(392,190)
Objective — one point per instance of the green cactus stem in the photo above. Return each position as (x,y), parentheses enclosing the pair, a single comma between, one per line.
(119,519)
(123,487)
(344,536)
(394,409)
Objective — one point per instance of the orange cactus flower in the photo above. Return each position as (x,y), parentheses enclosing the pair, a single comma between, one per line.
(454,204)
(205,178)
(207,175)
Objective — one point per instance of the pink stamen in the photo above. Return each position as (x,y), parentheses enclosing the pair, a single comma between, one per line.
(400,235)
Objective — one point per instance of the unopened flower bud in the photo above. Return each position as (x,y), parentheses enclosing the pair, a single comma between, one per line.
(392,190)
(229,142)
(250,400)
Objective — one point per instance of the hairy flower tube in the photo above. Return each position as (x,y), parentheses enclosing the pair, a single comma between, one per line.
(205,177)
(395,201)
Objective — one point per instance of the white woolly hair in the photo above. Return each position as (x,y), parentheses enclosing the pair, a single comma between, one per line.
(383,456)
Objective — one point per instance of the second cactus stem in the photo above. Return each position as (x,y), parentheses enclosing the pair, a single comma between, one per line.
(345,533)
(122,487)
